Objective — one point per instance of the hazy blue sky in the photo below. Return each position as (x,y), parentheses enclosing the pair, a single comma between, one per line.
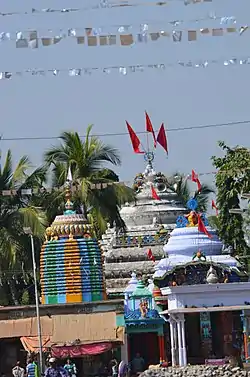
(34,106)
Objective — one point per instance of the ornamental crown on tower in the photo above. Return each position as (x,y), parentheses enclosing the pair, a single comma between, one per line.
(193,218)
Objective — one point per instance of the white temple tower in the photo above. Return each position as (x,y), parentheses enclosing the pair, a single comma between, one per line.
(148,225)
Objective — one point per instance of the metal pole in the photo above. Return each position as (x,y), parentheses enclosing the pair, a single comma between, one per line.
(39,333)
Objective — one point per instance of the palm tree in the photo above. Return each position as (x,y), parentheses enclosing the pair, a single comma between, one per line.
(179,184)
(87,161)
(17,212)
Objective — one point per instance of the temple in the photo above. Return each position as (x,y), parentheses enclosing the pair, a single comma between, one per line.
(207,292)
(148,224)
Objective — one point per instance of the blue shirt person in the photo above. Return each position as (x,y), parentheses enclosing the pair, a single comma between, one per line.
(55,370)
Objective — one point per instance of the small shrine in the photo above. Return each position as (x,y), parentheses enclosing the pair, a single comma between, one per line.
(71,261)
(148,224)
(207,290)
(144,326)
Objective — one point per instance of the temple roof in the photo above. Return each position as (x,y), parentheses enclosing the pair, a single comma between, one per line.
(132,284)
(141,290)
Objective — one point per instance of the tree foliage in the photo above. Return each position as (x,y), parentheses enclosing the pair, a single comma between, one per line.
(17,212)
(178,183)
(87,160)
(232,179)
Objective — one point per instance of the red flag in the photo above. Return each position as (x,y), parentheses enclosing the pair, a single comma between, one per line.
(134,139)
(162,138)
(202,228)
(150,255)
(154,193)
(149,128)
(215,207)
(195,179)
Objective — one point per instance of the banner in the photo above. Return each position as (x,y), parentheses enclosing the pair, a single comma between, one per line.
(101,5)
(93,37)
(122,70)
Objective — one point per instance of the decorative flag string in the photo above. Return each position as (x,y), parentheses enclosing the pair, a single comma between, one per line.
(122,70)
(102,5)
(89,37)
(114,28)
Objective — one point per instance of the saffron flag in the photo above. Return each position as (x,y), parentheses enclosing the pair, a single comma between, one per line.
(195,179)
(215,207)
(150,255)
(149,128)
(154,193)
(134,139)
(162,138)
(202,228)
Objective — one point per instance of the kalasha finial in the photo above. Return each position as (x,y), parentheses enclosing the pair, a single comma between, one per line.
(68,193)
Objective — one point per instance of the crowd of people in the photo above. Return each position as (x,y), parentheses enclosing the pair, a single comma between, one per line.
(54,369)
(69,369)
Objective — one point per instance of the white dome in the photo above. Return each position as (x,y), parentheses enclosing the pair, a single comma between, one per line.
(187,241)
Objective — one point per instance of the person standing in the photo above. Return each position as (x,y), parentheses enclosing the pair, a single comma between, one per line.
(31,369)
(55,370)
(70,368)
(18,371)
(138,364)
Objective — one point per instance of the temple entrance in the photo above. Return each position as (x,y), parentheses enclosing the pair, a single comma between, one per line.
(147,345)
(193,338)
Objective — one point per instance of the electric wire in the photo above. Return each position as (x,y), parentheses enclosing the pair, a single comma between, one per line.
(118,134)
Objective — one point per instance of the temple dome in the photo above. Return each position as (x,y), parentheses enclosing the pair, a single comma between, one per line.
(193,241)
(186,241)
(147,210)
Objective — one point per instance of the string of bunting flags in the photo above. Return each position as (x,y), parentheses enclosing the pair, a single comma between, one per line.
(123,70)
(30,35)
(30,39)
(96,186)
(103,4)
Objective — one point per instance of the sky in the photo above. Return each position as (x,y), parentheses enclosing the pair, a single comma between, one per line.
(179,97)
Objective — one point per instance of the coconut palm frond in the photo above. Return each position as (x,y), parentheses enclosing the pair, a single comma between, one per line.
(35,219)
(20,173)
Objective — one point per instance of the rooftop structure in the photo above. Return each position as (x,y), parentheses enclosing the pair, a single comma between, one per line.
(148,224)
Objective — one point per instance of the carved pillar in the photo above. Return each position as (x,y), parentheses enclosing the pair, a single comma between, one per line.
(161,347)
(246,334)
(180,346)
(173,340)
(184,350)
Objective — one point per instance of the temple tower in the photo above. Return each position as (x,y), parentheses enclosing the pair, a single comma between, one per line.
(148,224)
(71,261)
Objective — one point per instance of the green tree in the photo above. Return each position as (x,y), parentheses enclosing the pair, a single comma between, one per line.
(87,160)
(17,212)
(179,183)
(232,179)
